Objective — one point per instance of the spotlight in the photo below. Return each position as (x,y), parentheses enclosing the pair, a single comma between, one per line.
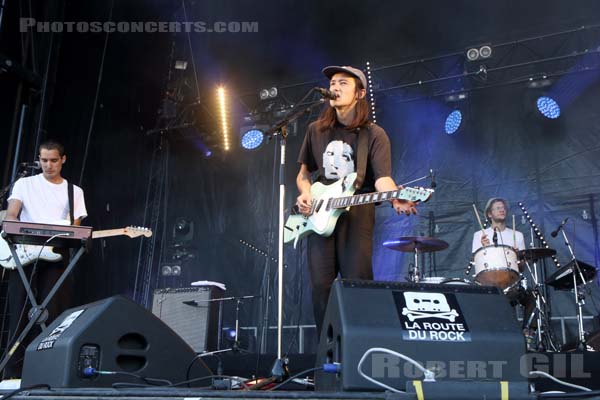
(479,52)
(229,333)
(183,231)
(252,139)
(181,64)
(170,270)
(266,94)
(548,107)
(472,54)
(485,51)
(453,121)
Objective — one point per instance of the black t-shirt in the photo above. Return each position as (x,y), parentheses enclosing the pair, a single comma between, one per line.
(333,153)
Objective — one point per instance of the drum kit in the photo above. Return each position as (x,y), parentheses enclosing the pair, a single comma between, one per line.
(503,267)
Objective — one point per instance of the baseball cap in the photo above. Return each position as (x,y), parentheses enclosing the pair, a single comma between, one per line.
(334,69)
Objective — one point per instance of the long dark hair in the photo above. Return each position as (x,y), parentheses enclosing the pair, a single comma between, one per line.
(328,117)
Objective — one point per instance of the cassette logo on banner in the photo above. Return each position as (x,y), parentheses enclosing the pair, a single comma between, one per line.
(48,341)
(431,317)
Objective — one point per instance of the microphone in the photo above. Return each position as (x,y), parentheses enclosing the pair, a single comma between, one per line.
(326,93)
(495,238)
(564,221)
(32,165)
(432,176)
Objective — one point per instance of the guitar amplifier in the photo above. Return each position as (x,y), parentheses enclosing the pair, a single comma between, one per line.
(191,313)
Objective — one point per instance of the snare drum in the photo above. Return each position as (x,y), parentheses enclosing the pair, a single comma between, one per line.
(496,266)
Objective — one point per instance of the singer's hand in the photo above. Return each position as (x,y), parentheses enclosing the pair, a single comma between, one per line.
(304,202)
(404,206)
(485,241)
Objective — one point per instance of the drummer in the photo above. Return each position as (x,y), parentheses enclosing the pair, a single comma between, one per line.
(496,210)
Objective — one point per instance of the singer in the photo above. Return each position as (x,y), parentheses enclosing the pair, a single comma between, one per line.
(496,211)
(331,151)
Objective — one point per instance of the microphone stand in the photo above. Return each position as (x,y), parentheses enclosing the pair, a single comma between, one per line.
(579,294)
(280,367)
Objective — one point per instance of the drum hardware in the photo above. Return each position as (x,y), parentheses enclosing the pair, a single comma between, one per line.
(545,341)
(577,273)
(416,245)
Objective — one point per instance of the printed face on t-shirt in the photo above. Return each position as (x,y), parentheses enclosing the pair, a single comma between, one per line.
(338,160)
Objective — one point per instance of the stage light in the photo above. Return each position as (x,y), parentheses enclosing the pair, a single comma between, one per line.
(479,53)
(181,65)
(222,97)
(252,139)
(453,121)
(548,107)
(229,333)
(472,54)
(266,94)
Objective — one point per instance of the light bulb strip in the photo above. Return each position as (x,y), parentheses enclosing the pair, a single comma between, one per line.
(370,92)
(537,232)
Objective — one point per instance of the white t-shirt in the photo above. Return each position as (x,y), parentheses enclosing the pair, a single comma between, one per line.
(47,202)
(504,237)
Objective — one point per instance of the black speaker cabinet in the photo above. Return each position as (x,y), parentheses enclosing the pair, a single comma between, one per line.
(192,313)
(113,334)
(460,332)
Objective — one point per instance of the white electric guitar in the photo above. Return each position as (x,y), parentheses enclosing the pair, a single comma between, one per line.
(29,253)
(330,201)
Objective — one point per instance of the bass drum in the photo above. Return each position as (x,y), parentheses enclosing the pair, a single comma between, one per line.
(496,266)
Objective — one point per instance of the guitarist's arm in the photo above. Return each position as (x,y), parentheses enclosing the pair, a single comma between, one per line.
(387,184)
(303,182)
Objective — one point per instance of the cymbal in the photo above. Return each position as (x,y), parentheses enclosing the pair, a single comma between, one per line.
(562,279)
(536,253)
(423,244)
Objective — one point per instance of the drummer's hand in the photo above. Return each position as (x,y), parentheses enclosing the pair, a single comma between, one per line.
(485,241)
(304,202)
(404,206)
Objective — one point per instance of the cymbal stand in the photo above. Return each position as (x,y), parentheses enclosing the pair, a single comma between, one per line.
(235,347)
(541,304)
(579,294)
(416,273)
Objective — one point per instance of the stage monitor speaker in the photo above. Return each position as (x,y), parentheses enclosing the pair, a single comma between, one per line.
(113,334)
(192,312)
(461,332)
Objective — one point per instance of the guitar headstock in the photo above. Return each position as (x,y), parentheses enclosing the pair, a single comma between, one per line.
(135,231)
(417,194)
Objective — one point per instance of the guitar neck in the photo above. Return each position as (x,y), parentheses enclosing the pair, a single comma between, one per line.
(375,197)
(107,233)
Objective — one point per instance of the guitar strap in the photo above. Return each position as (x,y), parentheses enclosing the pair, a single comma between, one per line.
(70,194)
(361,157)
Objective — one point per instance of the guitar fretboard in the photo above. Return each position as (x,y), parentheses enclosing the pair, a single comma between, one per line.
(366,198)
